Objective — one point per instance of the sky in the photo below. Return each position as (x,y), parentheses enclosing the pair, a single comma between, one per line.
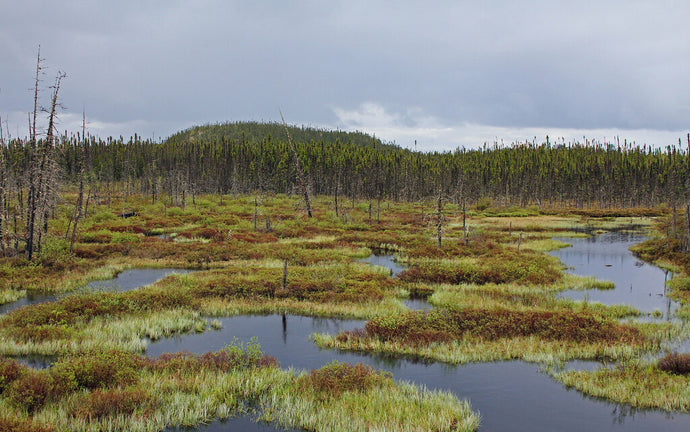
(430,75)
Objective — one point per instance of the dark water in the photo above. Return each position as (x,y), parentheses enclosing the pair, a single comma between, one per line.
(385,260)
(28,300)
(133,279)
(511,396)
(607,256)
(417,304)
(125,281)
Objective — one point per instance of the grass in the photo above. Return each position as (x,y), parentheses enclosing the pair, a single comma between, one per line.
(492,302)
(636,384)
(120,391)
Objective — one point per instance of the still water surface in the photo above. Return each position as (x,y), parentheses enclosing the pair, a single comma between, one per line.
(510,396)
(124,281)
(607,256)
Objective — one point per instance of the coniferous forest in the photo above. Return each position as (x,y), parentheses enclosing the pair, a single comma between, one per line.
(237,158)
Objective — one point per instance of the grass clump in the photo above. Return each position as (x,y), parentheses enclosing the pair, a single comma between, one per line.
(14,424)
(422,327)
(336,378)
(637,384)
(102,403)
(675,363)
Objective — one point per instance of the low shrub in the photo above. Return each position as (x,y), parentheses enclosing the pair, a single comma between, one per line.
(10,370)
(103,403)
(100,369)
(13,424)
(233,357)
(422,327)
(336,378)
(675,363)
(522,268)
(42,333)
(31,390)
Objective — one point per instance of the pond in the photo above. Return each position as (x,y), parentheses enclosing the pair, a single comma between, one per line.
(124,281)
(513,395)
(384,260)
(607,256)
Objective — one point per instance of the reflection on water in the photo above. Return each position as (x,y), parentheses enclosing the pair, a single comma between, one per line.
(512,395)
(607,256)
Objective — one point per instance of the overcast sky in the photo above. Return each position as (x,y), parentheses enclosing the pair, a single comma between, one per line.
(444,73)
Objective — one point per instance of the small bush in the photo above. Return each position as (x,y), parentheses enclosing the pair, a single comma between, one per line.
(675,363)
(31,390)
(418,291)
(420,327)
(101,369)
(10,370)
(42,333)
(234,356)
(336,378)
(103,403)
(13,424)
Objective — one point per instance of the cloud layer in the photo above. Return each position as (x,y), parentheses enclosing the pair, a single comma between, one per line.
(428,69)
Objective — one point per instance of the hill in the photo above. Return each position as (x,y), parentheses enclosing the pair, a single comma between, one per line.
(256,132)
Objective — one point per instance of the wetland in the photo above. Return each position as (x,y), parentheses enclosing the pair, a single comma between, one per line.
(496,330)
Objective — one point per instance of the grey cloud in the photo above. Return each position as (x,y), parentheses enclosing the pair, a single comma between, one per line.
(614,64)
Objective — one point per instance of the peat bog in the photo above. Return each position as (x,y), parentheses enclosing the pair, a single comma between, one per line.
(274,315)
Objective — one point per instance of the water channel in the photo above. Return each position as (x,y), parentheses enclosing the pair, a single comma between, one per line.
(124,281)
(607,257)
(513,395)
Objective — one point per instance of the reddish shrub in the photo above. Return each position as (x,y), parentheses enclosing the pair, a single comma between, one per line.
(103,403)
(10,370)
(334,379)
(675,363)
(101,369)
(417,327)
(31,390)
(231,358)
(13,424)
(42,333)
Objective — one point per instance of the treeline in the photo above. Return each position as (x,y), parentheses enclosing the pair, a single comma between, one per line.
(243,158)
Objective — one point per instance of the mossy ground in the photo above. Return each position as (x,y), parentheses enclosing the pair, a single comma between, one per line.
(270,257)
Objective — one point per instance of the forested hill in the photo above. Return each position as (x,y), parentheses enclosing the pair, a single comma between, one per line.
(255,132)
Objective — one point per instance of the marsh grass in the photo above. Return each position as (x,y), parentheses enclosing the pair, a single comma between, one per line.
(184,389)
(636,384)
(509,294)
(9,295)
(341,396)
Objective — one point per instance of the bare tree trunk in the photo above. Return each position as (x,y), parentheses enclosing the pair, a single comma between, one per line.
(80,197)
(439,218)
(3,192)
(300,174)
(32,198)
(687,221)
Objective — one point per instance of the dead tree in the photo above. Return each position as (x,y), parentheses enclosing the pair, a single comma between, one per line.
(32,198)
(42,171)
(439,217)
(3,193)
(298,168)
(80,197)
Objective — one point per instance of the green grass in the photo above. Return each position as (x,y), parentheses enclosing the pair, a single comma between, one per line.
(115,390)
(636,384)
(508,299)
